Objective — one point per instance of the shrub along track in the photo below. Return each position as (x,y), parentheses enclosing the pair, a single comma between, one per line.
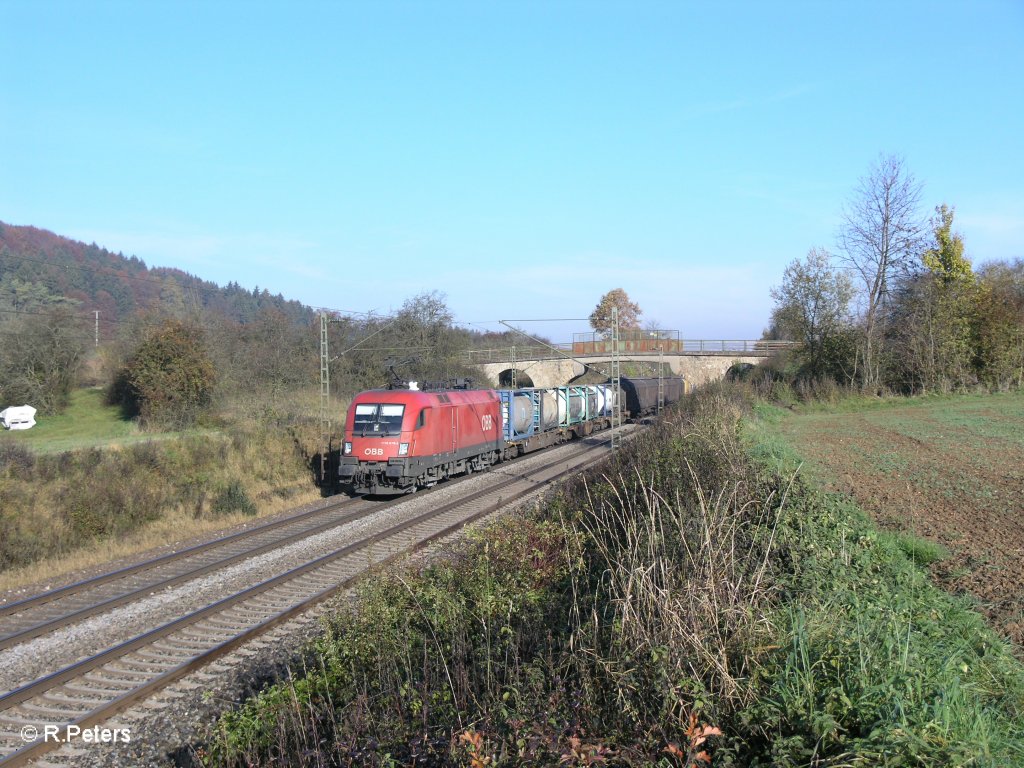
(90,691)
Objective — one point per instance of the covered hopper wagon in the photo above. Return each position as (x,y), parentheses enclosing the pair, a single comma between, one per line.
(640,394)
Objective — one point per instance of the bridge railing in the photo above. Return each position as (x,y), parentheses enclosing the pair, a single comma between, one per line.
(507,354)
(634,335)
(755,347)
(595,345)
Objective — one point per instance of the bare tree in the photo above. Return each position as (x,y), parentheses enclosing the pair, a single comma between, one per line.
(880,238)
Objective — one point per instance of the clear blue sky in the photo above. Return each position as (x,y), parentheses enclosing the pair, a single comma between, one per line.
(522,157)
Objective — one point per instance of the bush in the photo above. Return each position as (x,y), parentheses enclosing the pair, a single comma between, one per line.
(233,498)
(53,504)
(108,498)
(23,539)
(169,379)
(17,460)
(40,359)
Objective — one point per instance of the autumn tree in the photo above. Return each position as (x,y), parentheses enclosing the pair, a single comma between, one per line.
(999,324)
(812,306)
(25,296)
(945,259)
(629,312)
(952,294)
(931,322)
(169,379)
(880,239)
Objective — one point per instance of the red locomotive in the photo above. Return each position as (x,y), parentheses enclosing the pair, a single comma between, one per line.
(398,439)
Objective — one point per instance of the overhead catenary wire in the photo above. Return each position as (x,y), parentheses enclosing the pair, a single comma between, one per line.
(615,370)
(325,385)
(561,352)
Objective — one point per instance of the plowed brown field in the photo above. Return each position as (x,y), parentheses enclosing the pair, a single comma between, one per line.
(949,470)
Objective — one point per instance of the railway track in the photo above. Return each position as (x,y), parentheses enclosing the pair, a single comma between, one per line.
(49,611)
(91,690)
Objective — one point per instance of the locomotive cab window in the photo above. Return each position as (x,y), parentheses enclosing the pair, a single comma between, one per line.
(378,419)
(365,414)
(422,420)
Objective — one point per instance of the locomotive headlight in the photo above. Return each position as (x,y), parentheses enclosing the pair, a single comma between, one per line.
(347,449)
(403,449)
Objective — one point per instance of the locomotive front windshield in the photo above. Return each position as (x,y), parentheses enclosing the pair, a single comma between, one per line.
(381,419)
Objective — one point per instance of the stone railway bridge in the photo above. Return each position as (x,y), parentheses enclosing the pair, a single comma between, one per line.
(697,361)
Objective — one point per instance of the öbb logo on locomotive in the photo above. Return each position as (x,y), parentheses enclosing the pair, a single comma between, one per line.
(440,433)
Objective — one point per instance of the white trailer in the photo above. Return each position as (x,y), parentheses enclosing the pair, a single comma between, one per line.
(18,417)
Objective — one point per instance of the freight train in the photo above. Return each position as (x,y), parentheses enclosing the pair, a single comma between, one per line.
(399,440)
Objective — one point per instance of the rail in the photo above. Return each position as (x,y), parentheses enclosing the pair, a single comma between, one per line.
(147,577)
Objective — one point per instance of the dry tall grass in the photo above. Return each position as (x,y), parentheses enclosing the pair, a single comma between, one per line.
(681,581)
(174,527)
(679,543)
(65,512)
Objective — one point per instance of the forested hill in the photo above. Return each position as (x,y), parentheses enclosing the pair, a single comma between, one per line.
(39,269)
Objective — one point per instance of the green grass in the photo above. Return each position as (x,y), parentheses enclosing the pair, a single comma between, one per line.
(920,551)
(1009,403)
(994,416)
(974,432)
(87,422)
(875,665)
(762,441)
(978,418)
